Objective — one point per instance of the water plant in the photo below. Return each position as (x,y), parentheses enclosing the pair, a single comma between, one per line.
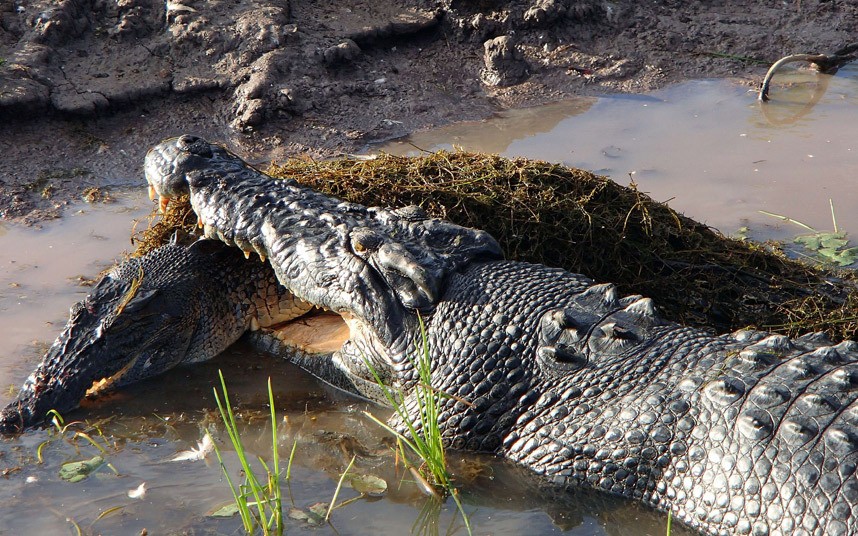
(828,247)
(423,438)
(71,435)
(258,499)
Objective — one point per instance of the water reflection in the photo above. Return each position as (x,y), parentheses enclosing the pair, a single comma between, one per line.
(705,145)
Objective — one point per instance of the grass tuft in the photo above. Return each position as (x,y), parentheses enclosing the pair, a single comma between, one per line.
(264,511)
(423,438)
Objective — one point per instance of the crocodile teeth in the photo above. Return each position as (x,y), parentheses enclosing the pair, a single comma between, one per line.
(244,246)
(260,251)
(200,223)
(162,204)
(254,324)
(152,193)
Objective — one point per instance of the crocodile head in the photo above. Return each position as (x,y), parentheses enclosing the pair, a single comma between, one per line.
(144,317)
(377,269)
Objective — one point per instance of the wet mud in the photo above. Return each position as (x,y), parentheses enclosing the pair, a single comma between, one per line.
(86,86)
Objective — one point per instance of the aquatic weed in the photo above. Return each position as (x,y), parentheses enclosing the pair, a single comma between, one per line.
(827,247)
(265,510)
(424,431)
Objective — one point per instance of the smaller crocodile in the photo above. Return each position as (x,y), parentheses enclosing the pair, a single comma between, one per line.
(176,305)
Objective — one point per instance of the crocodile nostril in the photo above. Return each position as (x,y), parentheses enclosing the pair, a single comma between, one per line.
(187,140)
(194,145)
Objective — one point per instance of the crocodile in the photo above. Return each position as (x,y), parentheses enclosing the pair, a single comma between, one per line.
(740,433)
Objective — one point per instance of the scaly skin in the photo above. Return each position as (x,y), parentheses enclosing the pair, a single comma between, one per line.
(745,433)
(177,305)
(742,433)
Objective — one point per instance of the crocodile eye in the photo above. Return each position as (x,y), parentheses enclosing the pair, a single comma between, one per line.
(365,241)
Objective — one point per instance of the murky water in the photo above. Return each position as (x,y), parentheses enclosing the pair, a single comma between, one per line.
(44,271)
(704,144)
(707,146)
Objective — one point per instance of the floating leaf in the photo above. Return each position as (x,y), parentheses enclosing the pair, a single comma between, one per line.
(298,515)
(320,509)
(846,257)
(811,242)
(833,240)
(228,510)
(368,484)
(77,471)
(313,515)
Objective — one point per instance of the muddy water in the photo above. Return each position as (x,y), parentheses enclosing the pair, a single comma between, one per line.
(43,271)
(705,144)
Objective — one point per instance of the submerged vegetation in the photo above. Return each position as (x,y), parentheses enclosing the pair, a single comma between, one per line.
(825,247)
(585,223)
(258,500)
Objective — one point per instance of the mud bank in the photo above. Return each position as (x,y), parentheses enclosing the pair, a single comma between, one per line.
(86,86)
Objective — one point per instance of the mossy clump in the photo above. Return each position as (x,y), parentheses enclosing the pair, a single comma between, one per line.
(559,216)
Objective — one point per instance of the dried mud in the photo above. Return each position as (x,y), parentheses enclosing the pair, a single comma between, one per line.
(86,86)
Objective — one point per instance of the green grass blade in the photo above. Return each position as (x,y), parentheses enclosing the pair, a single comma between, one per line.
(337,491)
(788,220)
(240,502)
(291,458)
(274,477)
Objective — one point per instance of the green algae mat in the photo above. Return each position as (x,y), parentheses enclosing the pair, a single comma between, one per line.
(586,223)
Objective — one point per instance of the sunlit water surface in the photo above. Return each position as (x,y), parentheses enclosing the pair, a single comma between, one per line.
(706,145)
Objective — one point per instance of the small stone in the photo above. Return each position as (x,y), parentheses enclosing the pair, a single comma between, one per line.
(345,51)
(505,65)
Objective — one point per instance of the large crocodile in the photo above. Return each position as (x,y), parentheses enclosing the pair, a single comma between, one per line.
(743,433)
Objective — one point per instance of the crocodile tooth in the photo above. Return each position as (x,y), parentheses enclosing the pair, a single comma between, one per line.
(244,246)
(162,204)
(643,307)
(152,193)
(259,251)
(254,324)
(209,231)
(200,223)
